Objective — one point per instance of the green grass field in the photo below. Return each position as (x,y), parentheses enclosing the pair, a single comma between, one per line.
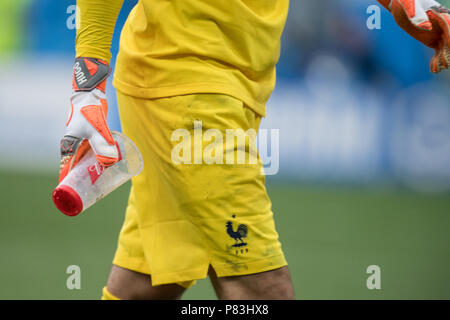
(329,235)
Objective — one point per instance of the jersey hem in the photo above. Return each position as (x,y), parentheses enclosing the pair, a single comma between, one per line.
(189,88)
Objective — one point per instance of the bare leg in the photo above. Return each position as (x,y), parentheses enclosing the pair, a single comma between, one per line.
(130,285)
(270,285)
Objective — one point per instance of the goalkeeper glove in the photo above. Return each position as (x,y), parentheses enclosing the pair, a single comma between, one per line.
(427,21)
(86,126)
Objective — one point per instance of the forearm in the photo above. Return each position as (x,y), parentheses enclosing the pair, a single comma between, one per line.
(97,21)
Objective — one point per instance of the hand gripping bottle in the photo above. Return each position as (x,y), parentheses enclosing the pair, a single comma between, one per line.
(89,181)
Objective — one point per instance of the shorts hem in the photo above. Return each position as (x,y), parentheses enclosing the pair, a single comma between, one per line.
(131,263)
(187,278)
(258,266)
(140,266)
(180,277)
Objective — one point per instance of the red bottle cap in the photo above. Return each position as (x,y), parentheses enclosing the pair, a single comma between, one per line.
(67,200)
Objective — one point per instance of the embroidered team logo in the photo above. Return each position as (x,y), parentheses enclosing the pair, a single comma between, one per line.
(238,234)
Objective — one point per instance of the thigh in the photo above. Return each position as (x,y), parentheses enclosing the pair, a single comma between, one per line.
(270,285)
(131,285)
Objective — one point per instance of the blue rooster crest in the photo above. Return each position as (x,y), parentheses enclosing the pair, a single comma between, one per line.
(241,232)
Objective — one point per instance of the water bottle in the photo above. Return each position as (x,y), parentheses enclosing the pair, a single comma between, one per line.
(89,181)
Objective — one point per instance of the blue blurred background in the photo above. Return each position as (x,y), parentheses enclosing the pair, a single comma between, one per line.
(364,132)
(353,104)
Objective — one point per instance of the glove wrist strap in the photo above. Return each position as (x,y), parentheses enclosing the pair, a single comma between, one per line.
(90,74)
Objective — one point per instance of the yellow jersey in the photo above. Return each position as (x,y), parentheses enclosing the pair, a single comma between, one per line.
(178,47)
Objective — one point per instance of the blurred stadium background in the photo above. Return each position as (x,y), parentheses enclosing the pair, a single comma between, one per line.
(364,173)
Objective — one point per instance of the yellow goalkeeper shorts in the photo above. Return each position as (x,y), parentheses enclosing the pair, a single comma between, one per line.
(189,209)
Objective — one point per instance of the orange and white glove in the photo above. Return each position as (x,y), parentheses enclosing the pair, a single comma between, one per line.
(427,21)
(86,126)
